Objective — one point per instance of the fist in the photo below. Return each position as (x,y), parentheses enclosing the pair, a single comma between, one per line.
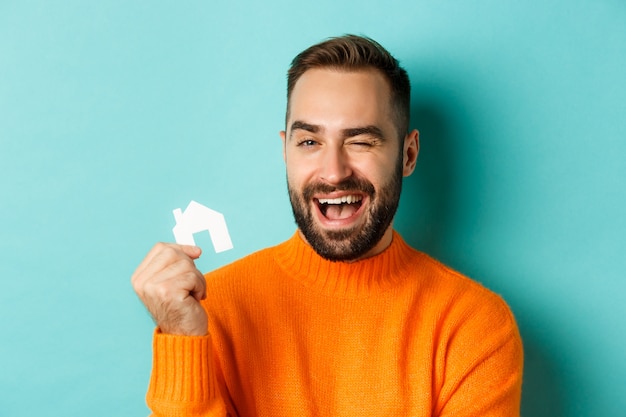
(171,287)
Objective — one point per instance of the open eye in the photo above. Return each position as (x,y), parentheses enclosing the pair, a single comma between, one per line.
(307,143)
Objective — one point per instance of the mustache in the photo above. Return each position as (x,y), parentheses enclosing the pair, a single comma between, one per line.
(349,184)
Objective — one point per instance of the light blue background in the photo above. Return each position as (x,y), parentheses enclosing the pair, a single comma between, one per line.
(114,113)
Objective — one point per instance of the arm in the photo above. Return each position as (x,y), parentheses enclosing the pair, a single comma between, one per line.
(183,381)
(484,365)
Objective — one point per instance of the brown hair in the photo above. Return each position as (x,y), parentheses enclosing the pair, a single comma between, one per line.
(353,53)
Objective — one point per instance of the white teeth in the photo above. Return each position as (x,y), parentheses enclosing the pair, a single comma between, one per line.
(345,199)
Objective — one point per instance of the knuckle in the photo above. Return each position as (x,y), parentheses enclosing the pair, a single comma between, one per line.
(162,292)
(135,284)
(168,251)
(185,266)
(193,275)
(159,246)
(138,284)
(157,294)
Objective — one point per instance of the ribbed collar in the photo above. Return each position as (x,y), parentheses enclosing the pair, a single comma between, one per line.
(363,278)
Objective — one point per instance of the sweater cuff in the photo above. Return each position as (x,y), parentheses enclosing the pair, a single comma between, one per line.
(183,373)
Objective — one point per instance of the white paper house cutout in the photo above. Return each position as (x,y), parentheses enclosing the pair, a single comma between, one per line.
(198,218)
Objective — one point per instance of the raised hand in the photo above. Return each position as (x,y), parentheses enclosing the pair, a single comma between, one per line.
(171,287)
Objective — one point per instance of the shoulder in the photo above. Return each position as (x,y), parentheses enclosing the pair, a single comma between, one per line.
(456,296)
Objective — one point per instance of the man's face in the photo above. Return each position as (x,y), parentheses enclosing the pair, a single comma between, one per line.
(345,162)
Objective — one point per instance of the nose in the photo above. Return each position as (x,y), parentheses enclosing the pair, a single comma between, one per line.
(335,166)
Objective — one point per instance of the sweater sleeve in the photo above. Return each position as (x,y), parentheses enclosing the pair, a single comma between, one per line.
(183,381)
(484,368)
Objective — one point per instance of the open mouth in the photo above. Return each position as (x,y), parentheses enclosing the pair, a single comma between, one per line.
(341,207)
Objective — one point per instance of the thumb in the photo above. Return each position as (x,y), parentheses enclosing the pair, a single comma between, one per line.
(193,252)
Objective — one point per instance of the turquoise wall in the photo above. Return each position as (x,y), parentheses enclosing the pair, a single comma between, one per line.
(114,113)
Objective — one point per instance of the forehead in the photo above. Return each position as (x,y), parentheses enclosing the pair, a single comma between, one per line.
(334,93)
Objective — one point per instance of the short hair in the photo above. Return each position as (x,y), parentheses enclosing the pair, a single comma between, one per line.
(354,53)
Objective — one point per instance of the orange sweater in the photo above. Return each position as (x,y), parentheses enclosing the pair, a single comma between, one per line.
(292,334)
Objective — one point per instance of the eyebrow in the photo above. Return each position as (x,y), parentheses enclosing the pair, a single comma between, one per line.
(370,130)
(299,125)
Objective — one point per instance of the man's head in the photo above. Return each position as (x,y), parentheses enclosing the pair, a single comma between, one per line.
(354,53)
(346,145)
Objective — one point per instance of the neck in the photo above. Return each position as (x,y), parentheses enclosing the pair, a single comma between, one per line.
(362,277)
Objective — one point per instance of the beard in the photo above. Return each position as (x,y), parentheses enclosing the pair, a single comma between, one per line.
(354,242)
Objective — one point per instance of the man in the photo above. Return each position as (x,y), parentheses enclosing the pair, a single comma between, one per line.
(342,319)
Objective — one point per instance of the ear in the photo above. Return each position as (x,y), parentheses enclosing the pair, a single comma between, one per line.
(411,149)
(282,137)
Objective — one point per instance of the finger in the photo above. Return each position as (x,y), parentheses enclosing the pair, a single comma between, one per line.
(177,285)
(193,252)
(189,280)
(154,252)
(161,257)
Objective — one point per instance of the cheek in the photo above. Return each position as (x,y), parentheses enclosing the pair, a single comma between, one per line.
(295,181)
(299,171)
(375,173)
